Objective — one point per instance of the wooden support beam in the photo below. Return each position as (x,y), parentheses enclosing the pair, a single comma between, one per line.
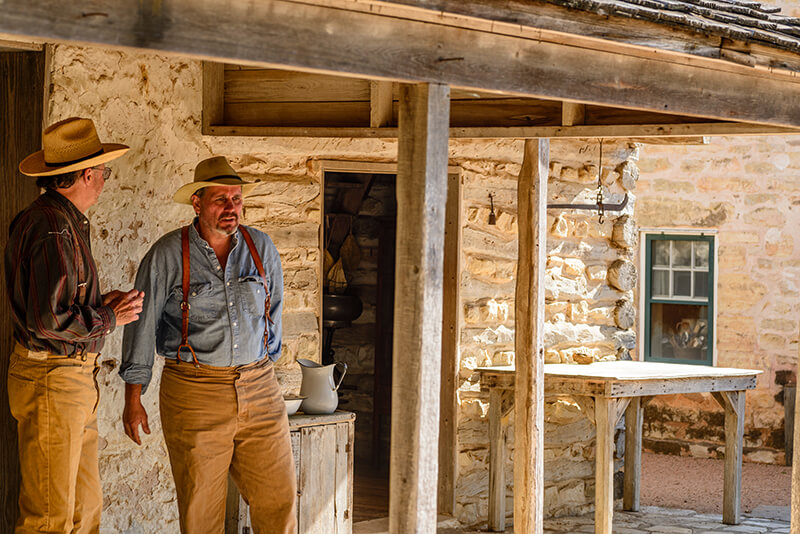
(497,462)
(451,320)
(421,197)
(380,103)
(339,37)
(572,114)
(634,421)
(529,339)
(605,412)
(615,131)
(213,95)
(734,434)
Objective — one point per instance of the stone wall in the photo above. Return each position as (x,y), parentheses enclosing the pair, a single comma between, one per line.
(748,189)
(153,104)
(580,314)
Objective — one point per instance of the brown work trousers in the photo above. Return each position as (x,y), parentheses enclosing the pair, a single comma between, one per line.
(221,419)
(54,400)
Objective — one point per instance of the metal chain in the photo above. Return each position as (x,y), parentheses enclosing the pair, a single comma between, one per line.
(600,206)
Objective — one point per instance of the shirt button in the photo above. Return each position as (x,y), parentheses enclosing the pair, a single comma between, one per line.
(229,283)
(236,346)
(108,331)
(194,293)
(234,323)
(230,303)
(218,267)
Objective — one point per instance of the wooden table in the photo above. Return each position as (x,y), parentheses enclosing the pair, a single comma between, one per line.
(605,391)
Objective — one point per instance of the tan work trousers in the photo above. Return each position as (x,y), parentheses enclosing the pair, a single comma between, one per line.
(54,400)
(221,419)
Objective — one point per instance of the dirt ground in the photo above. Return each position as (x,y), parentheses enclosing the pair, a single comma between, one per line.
(696,484)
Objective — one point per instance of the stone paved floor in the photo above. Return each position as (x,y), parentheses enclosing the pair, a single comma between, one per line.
(651,520)
(664,520)
(655,520)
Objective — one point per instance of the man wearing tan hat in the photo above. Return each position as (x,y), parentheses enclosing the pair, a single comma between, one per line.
(213,301)
(60,321)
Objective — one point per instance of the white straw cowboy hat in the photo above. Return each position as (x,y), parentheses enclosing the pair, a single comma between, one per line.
(209,172)
(70,145)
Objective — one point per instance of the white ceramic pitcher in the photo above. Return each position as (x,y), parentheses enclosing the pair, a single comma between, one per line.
(318,387)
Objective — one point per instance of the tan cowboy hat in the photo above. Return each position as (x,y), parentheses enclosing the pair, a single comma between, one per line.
(212,171)
(70,145)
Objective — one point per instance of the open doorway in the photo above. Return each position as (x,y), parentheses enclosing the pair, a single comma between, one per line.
(360,201)
(360,218)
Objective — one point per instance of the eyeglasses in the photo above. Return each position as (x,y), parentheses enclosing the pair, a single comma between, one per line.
(106,173)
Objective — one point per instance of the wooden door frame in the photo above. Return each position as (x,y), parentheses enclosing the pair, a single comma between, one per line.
(452,312)
(17,193)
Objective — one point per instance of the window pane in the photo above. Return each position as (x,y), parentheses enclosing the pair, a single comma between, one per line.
(701,254)
(701,284)
(682,253)
(682,284)
(661,253)
(679,332)
(660,283)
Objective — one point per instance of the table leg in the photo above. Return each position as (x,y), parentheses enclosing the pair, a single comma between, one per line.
(605,413)
(497,463)
(734,432)
(634,418)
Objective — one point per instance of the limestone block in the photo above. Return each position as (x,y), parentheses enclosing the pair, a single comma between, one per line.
(552,356)
(481,267)
(777,243)
(622,275)
(739,291)
(629,175)
(578,311)
(507,222)
(624,314)
(766,216)
(504,357)
(581,229)
(560,228)
(569,174)
(555,311)
(554,262)
(609,178)
(601,315)
(573,267)
(596,272)
(587,174)
(623,234)
(555,170)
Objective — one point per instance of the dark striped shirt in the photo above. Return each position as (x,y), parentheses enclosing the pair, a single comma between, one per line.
(52,282)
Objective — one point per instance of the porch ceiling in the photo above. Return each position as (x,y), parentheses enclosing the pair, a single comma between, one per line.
(414,43)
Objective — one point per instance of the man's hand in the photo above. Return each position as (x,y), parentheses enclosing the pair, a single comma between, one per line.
(126,306)
(134,413)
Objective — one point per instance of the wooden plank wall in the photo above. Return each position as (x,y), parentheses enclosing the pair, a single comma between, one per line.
(21,110)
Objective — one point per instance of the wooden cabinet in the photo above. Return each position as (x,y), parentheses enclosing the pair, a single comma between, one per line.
(323,454)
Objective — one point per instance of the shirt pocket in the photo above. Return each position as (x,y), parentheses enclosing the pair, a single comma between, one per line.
(251,291)
(204,303)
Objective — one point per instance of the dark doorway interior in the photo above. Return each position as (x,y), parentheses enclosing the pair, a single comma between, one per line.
(360,222)
(21,110)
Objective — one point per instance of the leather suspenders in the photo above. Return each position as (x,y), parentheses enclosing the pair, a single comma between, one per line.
(185,287)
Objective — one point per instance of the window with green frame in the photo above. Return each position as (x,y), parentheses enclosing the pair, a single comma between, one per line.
(679,299)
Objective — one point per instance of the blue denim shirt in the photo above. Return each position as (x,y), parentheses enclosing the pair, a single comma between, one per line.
(226,315)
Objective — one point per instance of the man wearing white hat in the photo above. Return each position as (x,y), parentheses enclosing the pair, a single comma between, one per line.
(213,301)
(60,322)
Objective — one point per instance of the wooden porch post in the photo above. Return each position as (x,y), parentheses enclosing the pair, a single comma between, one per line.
(529,346)
(421,199)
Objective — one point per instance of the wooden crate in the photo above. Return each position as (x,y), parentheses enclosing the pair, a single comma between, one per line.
(323,453)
